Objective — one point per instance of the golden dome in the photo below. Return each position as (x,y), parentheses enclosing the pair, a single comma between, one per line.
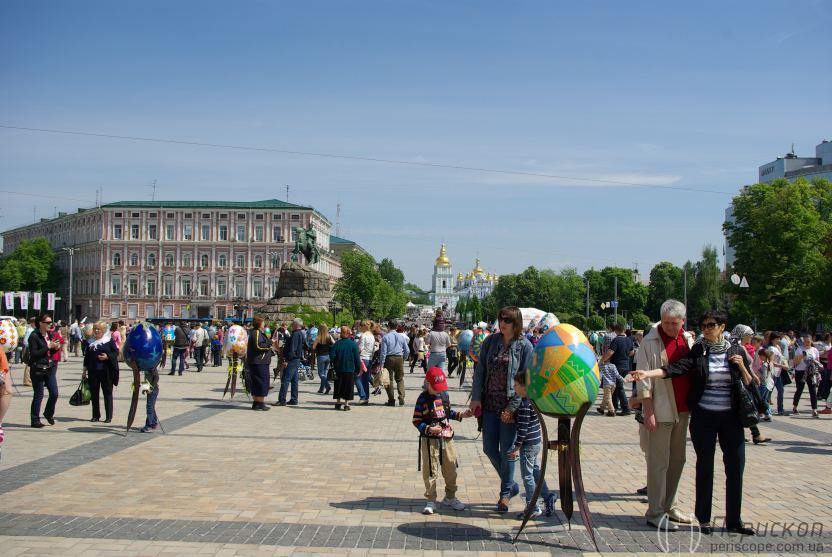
(459,277)
(442,260)
(477,269)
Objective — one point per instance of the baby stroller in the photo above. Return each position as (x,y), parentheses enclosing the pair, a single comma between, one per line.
(305,371)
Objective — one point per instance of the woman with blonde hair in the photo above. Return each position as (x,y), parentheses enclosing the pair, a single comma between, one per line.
(366,348)
(101,369)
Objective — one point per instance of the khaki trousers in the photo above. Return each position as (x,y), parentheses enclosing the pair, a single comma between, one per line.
(664,450)
(395,365)
(606,403)
(430,463)
(27,378)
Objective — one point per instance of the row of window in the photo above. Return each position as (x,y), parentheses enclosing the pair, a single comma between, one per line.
(188,216)
(167,311)
(238,287)
(204,260)
(204,232)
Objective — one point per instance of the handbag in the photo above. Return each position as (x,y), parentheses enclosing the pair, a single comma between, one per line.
(40,369)
(785,377)
(744,404)
(82,394)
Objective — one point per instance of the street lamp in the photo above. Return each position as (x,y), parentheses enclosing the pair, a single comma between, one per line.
(334,306)
(71,252)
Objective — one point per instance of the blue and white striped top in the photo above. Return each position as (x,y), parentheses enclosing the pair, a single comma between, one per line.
(528,426)
(717,393)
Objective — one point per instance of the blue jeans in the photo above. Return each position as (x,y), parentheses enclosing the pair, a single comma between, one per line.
(764,392)
(362,382)
(530,472)
(152,419)
(178,353)
(497,442)
(323,368)
(778,385)
(438,359)
(289,377)
(51,384)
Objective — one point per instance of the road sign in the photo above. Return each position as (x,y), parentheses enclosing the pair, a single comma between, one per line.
(614,304)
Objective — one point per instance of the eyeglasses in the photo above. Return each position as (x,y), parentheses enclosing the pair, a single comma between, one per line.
(46,322)
(505,319)
(710,325)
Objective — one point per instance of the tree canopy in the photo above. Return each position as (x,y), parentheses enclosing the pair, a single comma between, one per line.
(365,291)
(30,267)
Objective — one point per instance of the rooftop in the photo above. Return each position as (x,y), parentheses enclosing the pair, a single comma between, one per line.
(336,240)
(265,204)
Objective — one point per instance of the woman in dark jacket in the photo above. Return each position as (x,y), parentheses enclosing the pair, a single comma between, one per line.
(502,356)
(44,370)
(346,361)
(714,364)
(101,368)
(258,361)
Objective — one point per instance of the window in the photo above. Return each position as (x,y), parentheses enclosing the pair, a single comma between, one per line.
(169,259)
(189,232)
(239,287)
(189,215)
(151,287)
(205,232)
(133,286)
(258,233)
(170,215)
(135,215)
(206,215)
(167,311)
(186,260)
(134,259)
(118,215)
(258,216)
(221,290)
(224,232)
(294,235)
(258,261)
(170,233)
(150,311)
(275,261)
(203,260)
(134,231)
(241,232)
(241,216)
(152,233)
(276,233)
(117,232)
(115,310)
(203,287)
(277,216)
(241,260)
(223,215)
(221,313)
(151,259)
(115,286)
(132,311)
(222,261)
(167,286)
(151,215)
(295,217)
(186,286)
(116,259)
(257,289)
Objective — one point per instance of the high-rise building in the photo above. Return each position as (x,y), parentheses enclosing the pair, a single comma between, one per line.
(176,259)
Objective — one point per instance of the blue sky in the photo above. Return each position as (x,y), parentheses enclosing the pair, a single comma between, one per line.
(688,95)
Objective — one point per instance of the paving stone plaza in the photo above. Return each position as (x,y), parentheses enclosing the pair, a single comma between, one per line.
(223,480)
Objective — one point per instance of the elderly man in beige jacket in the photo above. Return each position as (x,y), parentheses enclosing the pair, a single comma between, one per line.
(663,434)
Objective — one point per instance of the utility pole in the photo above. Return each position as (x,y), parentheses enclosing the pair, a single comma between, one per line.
(338,219)
(615,298)
(685,270)
(587,298)
(71,252)
(153,195)
(287,193)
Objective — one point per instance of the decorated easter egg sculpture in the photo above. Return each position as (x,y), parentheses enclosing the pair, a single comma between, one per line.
(8,335)
(87,330)
(236,340)
(143,346)
(464,340)
(563,372)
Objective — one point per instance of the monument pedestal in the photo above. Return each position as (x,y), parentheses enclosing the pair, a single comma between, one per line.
(298,285)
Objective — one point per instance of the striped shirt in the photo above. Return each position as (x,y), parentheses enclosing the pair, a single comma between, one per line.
(528,426)
(609,374)
(717,393)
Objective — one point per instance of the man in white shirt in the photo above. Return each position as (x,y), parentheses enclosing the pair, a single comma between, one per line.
(806,360)
(198,338)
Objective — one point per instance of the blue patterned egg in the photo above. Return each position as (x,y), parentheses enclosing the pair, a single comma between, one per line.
(143,345)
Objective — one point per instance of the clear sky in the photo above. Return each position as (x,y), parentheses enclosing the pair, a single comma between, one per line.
(689,95)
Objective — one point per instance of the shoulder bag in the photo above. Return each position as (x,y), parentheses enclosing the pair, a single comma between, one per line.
(82,394)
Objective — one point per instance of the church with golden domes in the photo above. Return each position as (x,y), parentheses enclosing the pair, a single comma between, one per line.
(448,290)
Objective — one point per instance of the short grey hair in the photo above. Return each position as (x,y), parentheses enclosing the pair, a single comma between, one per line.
(297,321)
(673,308)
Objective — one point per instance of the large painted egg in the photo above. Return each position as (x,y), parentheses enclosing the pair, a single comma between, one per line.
(87,330)
(476,345)
(8,335)
(236,340)
(143,345)
(464,340)
(563,372)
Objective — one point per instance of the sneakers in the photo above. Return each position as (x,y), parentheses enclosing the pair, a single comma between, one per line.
(826,411)
(148,429)
(430,508)
(454,503)
(535,513)
(502,505)
(549,504)
(610,414)
(814,414)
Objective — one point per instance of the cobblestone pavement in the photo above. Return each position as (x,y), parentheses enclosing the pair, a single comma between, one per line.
(224,480)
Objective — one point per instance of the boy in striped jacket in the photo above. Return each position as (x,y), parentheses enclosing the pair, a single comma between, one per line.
(528,447)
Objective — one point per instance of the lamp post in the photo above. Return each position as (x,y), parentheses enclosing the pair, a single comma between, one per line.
(71,252)
(333,309)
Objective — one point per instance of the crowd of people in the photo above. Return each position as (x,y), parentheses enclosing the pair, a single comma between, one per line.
(672,379)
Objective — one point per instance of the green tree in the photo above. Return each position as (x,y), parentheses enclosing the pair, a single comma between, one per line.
(665,282)
(391,274)
(30,267)
(356,289)
(641,322)
(706,293)
(595,322)
(781,234)
(577,320)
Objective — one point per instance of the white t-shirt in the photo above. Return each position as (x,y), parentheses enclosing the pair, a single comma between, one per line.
(810,353)
(366,345)
(438,342)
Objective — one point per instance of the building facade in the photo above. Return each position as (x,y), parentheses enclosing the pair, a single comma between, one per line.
(443,294)
(175,259)
(476,283)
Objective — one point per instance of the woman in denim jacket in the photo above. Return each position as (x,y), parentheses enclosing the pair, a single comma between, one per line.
(503,355)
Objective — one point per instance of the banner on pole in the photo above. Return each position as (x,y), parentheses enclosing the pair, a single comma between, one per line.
(36,301)
(9,301)
(24,300)
(50,301)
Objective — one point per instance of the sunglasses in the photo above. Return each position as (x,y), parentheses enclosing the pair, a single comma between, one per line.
(505,319)
(709,325)
(46,322)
